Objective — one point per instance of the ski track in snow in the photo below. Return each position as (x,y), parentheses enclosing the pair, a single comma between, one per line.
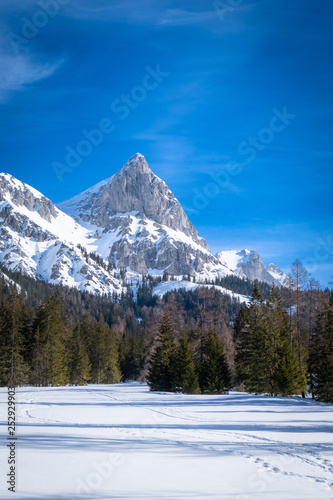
(200,433)
(297,452)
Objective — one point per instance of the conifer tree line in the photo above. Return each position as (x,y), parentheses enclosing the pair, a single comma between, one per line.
(45,350)
(194,342)
(175,367)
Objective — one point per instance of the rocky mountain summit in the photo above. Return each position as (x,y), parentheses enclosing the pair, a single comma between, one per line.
(145,226)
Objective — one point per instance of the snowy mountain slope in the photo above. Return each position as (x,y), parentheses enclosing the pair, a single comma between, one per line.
(39,240)
(249,264)
(169,286)
(140,226)
(278,275)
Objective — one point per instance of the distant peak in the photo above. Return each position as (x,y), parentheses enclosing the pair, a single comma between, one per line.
(138,163)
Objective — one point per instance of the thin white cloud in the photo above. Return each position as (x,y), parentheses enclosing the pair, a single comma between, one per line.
(21,70)
(180,17)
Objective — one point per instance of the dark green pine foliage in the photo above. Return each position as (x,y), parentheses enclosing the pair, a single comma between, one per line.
(290,380)
(256,350)
(14,328)
(241,341)
(52,341)
(322,354)
(109,370)
(266,361)
(126,360)
(88,327)
(215,376)
(187,378)
(79,364)
(162,371)
(285,376)
(103,351)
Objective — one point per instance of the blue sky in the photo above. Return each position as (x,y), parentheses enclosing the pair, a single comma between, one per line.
(230,102)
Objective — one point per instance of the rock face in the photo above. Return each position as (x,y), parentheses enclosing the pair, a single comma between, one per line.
(278,275)
(146,226)
(134,188)
(249,264)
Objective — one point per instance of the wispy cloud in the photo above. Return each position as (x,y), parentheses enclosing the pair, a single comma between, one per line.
(22,70)
(180,17)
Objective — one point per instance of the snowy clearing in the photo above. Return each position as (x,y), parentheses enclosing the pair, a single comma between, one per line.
(123,442)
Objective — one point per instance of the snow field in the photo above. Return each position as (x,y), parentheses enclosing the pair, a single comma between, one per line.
(124,442)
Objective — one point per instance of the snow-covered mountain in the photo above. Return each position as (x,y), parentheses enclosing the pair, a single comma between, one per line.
(249,264)
(40,241)
(140,226)
(131,221)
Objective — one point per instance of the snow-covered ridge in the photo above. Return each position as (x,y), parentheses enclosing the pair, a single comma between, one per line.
(41,241)
(249,264)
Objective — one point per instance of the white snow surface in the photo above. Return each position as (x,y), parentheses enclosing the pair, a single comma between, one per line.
(169,286)
(232,258)
(124,442)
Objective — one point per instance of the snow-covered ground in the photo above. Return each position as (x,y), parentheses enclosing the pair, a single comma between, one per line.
(123,442)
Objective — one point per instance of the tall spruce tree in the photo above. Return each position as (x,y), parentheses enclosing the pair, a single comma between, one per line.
(92,339)
(215,376)
(286,378)
(126,360)
(255,347)
(79,364)
(162,371)
(322,354)
(299,276)
(109,363)
(51,346)
(187,378)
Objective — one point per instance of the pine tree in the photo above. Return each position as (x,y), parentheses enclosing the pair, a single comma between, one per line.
(299,276)
(286,378)
(266,361)
(51,346)
(215,376)
(109,362)
(162,371)
(126,360)
(256,350)
(92,340)
(187,378)
(322,361)
(79,365)
(289,379)
(241,341)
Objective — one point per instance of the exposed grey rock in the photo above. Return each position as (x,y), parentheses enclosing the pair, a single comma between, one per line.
(25,197)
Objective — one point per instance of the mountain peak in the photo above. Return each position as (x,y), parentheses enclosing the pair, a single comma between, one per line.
(138,163)
(133,189)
